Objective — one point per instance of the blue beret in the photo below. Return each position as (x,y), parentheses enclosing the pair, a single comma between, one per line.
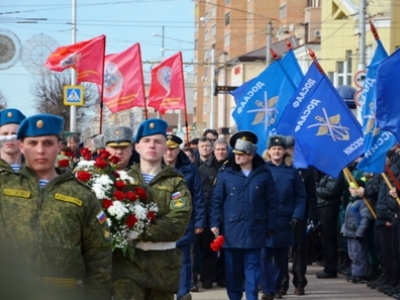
(11,116)
(40,125)
(151,127)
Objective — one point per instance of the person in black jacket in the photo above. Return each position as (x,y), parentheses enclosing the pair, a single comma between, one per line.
(299,250)
(329,191)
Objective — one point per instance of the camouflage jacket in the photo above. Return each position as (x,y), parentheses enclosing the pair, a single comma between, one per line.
(58,231)
(5,166)
(169,190)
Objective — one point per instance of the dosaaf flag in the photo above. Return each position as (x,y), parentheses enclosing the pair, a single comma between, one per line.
(167,89)
(326,130)
(256,109)
(86,57)
(388,93)
(123,80)
(377,142)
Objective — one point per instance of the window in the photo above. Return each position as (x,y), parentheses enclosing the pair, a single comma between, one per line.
(249,38)
(196,26)
(214,11)
(205,91)
(250,16)
(344,70)
(214,30)
(227,1)
(282,11)
(227,18)
(206,17)
(195,94)
(206,36)
(227,39)
(205,108)
(195,78)
(196,43)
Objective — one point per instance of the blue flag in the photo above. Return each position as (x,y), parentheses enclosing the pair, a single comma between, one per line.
(241,90)
(377,142)
(327,132)
(388,93)
(256,108)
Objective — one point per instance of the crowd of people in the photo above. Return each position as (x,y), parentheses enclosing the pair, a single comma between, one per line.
(267,211)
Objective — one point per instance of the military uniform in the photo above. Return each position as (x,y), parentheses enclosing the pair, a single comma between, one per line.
(58,232)
(153,274)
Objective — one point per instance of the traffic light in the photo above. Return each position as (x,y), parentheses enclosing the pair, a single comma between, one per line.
(223,89)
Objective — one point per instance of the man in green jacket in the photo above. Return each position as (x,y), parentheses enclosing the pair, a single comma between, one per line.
(51,222)
(153,274)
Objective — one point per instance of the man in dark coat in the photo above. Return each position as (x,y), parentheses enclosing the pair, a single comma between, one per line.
(244,200)
(292,204)
(177,159)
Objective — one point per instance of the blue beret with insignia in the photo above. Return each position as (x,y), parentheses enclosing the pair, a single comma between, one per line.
(11,116)
(40,125)
(151,127)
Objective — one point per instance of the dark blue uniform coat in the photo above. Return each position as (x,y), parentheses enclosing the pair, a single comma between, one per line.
(291,203)
(246,206)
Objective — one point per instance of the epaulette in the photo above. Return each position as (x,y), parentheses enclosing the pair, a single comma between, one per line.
(224,165)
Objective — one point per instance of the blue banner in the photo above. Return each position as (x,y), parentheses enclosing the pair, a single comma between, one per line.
(327,132)
(377,142)
(388,93)
(241,90)
(256,109)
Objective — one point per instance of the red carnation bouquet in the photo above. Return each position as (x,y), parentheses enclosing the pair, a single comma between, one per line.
(217,243)
(128,212)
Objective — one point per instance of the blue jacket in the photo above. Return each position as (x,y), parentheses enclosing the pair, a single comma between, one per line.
(291,203)
(191,176)
(246,206)
(357,218)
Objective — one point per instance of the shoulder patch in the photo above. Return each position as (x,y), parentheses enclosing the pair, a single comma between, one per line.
(101,217)
(17,193)
(179,204)
(69,199)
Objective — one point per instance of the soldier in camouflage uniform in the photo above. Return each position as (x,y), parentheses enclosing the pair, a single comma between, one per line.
(53,223)
(153,274)
(11,157)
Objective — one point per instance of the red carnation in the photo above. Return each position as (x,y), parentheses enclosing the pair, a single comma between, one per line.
(104,154)
(151,215)
(69,153)
(131,221)
(141,193)
(85,152)
(100,163)
(83,176)
(114,159)
(120,185)
(131,196)
(217,243)
(116,175)
(63,163)
(119,195)
(107,203)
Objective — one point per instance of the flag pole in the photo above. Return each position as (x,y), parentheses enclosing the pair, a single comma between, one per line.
(146,114)
(101,88)
(350,178)
(275,56)
(389,185)
(184,100)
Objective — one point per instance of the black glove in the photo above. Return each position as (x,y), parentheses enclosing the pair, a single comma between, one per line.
(294,222)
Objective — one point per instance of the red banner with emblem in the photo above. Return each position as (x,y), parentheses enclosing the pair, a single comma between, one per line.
(85,57)
(167,89)
(123,80)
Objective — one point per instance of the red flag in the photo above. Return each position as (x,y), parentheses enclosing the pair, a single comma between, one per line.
(123,80)
(85,57)
(167,89)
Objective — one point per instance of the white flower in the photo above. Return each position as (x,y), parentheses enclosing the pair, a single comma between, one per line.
(118,210)
(85,164)
(104,180)
(124,176)
(139,211)
(132,235)
(109,222)
(99,190)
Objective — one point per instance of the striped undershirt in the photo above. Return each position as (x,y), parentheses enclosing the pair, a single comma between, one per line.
(15,167)
(147,177)
(43,182)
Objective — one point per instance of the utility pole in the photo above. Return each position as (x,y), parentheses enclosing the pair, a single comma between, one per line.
(162,41)
(269,43)
(212,86)
(361,56)
(73,72)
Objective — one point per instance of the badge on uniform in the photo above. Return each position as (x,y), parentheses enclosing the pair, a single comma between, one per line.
(178,202)
(106,233)
(176,195)
(101,217)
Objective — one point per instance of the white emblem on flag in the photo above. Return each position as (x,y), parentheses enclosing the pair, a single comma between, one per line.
(113,80)
(164,77)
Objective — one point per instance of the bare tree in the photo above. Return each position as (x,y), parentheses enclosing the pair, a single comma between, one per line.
(3,101)
(48,98)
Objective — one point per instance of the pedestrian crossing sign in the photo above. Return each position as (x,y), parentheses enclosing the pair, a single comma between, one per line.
(73,95)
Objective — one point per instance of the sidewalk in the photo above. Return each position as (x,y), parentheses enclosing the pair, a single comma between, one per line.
(321,289)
